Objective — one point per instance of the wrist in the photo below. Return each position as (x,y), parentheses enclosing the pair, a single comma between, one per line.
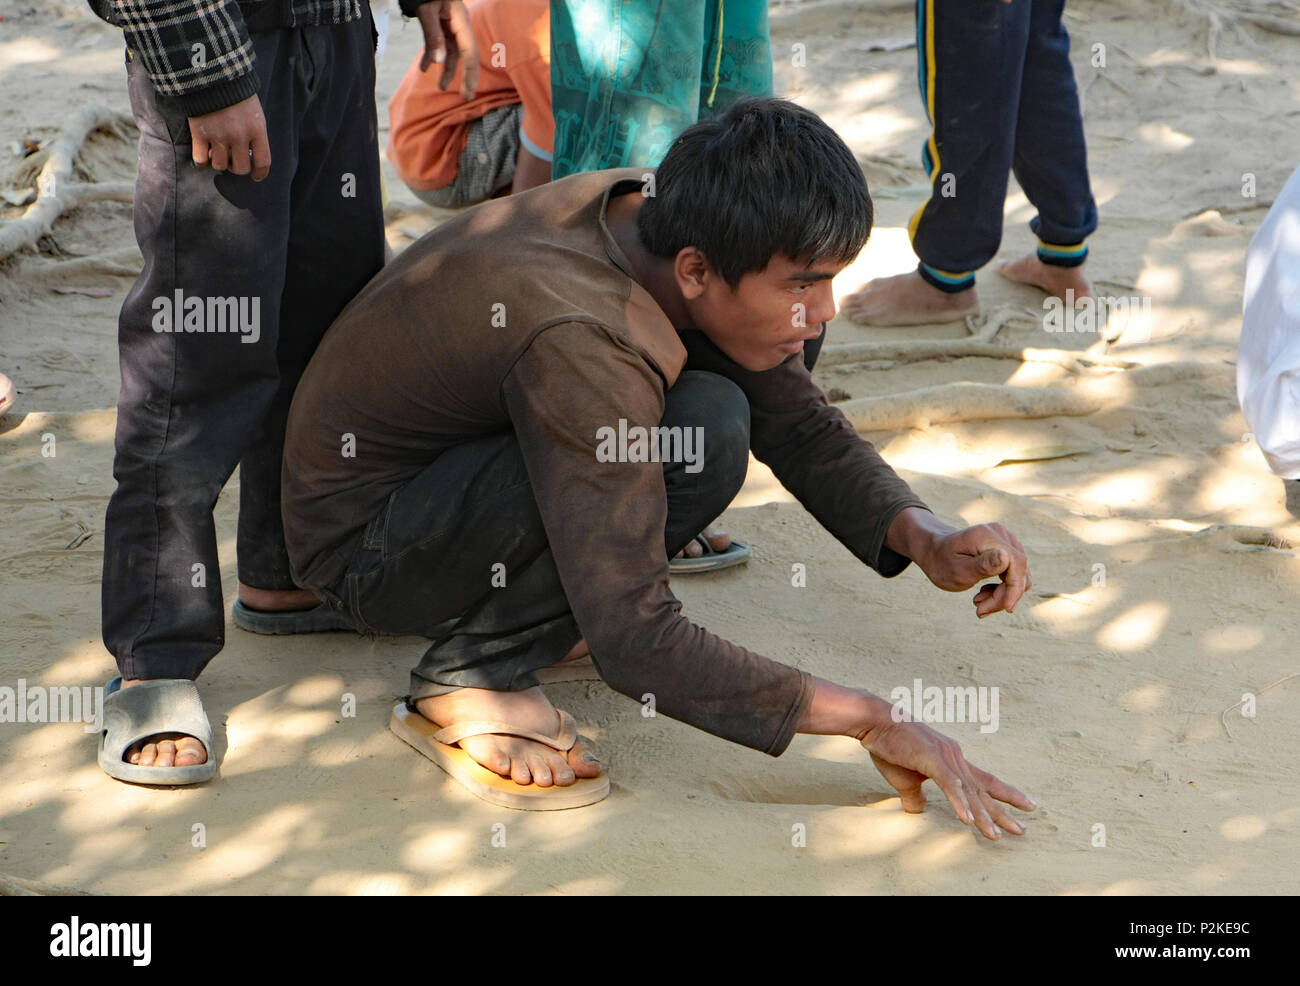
(914,532)
(839,711)
(876,712)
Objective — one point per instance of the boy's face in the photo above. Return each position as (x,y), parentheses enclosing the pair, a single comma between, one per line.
(770,314)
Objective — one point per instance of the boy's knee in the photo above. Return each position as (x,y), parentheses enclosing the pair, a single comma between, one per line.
(718,408)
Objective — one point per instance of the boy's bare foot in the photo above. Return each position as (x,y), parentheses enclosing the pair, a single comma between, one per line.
(522,760)
(277,600)
(577,654)
(907,299)
(718,540)
(164,749)
(1052,278)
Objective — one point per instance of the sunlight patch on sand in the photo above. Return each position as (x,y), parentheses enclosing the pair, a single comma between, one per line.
(1135,630)
(1145,698)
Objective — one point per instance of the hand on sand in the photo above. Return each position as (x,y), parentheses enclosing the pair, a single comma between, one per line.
(957,561)
(909,753)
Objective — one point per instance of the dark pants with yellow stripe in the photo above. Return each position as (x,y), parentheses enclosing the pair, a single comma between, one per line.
(1000,93)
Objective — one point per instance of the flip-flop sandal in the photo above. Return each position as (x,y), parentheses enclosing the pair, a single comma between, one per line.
(164,705)
(436,743)
(711,561)
(314,620)
(582,669)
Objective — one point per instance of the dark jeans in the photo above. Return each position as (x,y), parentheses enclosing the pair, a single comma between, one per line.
(1003,98)
(426,564)
(292,250)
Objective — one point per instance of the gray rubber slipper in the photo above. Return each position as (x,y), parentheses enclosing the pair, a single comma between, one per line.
(165,705)
(711,561)
(314,620)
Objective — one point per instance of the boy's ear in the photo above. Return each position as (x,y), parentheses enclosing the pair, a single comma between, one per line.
(692,270)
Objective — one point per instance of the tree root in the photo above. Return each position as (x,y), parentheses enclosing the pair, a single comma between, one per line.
(13,886)
(1231,536)
(1223,717)
(125,262)
(981,401)
(979,343)
(57,193)
(1230,16)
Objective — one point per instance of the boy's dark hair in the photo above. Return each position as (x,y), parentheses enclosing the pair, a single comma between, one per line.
(765,178)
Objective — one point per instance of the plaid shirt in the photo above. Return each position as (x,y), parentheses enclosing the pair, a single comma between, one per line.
(199,52)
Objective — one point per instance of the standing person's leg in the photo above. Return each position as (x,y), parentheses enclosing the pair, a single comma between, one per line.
(197,342)
(1051,161)
(970,56)
(625,80)
(335,245)
(737,55)
(460,555)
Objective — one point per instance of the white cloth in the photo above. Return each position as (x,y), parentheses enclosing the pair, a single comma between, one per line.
(379,10)
(1268,356)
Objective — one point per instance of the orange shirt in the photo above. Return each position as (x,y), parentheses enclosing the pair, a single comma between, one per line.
(429,127)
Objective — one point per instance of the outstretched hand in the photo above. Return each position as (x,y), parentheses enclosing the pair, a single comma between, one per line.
(909,753)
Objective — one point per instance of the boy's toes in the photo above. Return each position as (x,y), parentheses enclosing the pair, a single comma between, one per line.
(561,772)
(519,772)
(541,771)
(166,754)
(146,755)
(583,759)
(719,541)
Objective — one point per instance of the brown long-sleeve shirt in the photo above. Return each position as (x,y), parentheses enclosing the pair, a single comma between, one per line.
(523,314)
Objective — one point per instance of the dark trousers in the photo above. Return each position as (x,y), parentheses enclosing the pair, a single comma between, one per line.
(1000,93)
(426,564)
(206,384)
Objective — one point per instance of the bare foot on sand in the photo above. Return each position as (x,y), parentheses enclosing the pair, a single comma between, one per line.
(164,749)
(1052,278)
(522,760)
(907,299)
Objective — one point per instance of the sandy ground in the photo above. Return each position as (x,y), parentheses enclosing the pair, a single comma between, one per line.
(1111,694)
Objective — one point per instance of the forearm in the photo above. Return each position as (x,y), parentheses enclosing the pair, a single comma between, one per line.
(839,711)
(816,454)
(199,54)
